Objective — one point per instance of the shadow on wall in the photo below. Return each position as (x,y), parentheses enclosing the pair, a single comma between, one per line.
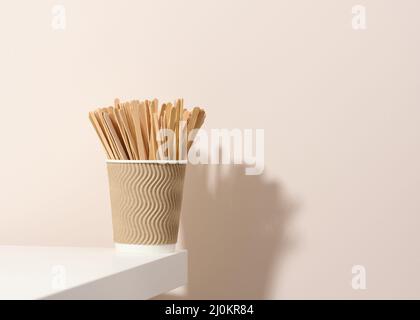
(234,227)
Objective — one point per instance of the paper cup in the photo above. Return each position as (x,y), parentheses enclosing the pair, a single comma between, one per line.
(146,198)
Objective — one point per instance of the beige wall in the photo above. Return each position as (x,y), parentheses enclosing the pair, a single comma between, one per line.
(340,109)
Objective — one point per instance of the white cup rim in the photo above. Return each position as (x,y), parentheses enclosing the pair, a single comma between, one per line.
(148,161)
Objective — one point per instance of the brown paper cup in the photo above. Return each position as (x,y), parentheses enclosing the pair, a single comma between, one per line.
(146,198)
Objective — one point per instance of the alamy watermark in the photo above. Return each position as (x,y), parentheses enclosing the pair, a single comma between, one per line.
(58,277)
(58,17)
(358,21)
(218,146)
(358,281)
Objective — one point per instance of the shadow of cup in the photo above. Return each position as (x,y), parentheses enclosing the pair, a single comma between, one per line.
(234,227)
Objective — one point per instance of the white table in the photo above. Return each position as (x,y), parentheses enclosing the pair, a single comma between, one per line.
(87,273)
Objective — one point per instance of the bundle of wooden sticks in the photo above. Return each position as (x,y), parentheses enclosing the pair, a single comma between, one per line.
(141,130)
